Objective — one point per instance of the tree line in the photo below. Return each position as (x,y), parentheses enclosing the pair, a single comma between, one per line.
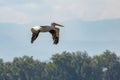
(63,66)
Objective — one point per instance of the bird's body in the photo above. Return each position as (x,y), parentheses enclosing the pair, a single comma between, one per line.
(52,29)
(43,28)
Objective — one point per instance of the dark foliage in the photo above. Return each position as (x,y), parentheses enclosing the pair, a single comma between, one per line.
(64,66)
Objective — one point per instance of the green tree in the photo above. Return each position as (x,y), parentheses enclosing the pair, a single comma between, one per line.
(64,66)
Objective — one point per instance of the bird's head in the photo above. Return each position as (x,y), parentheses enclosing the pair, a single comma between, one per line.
(56,24)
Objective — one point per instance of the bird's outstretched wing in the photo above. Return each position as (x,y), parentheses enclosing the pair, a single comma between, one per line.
(55,35)
(34,36)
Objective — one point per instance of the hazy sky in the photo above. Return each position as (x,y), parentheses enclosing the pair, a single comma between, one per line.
(90,25)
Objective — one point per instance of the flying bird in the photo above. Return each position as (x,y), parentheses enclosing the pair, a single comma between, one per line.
(52,29)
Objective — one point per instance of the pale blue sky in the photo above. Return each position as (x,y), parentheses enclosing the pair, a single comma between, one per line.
(90,25)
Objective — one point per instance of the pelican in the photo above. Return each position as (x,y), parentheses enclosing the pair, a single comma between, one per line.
(54,31)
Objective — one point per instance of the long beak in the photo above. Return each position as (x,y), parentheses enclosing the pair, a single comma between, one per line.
(59,25)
